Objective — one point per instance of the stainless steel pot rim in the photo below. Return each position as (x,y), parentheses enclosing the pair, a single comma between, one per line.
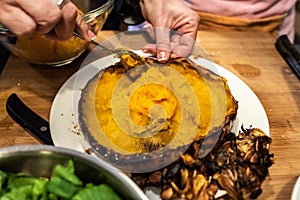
(49,149)
(30,149)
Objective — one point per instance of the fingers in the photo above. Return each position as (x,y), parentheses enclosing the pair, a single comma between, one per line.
(182,45)
(179,45)
(29,17)
(72,20)
(163,44)
(175,41)
(65,27)
(162,48)
(24,26)
(170,15)
(150,30)
(45,14)
(83,29)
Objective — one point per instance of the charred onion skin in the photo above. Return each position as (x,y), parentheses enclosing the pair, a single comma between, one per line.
(238,164)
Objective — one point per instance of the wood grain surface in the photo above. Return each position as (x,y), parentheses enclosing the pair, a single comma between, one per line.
(250,56)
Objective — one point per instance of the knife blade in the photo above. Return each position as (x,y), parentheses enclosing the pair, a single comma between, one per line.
(28,119)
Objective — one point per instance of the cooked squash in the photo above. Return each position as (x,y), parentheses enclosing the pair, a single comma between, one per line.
(139,105)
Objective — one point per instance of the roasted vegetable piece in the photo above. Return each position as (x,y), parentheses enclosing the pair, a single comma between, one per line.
(237,164)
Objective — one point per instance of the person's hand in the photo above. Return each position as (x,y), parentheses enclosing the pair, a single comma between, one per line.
(32,17)
(164,16)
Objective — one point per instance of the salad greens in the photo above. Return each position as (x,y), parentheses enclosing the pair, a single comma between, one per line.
(62,185)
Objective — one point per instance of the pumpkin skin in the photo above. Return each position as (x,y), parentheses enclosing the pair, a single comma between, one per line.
(141,108)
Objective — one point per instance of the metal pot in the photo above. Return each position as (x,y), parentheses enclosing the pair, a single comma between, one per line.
(39,160)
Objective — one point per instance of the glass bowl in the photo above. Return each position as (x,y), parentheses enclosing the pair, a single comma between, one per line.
(43,51)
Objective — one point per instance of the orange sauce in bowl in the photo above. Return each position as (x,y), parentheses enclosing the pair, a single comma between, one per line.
(40,50)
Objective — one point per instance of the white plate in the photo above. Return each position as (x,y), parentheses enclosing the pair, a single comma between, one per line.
(64,128)
(296,190)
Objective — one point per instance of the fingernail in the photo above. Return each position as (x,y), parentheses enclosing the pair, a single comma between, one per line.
(162,56)
(92,36)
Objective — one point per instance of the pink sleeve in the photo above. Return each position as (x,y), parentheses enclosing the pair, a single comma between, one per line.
(250,9)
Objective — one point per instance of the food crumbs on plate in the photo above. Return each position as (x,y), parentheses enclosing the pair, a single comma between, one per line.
(75,128)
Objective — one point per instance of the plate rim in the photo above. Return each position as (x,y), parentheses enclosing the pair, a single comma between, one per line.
(296,190)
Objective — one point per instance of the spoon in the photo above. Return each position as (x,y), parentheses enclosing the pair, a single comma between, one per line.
(117,51)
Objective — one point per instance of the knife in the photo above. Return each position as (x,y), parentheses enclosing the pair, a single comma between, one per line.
(4,55)
(289,53)
(29,120)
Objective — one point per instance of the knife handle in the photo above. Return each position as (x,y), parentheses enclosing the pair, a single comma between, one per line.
(289,53)
(29,120)
(4,55)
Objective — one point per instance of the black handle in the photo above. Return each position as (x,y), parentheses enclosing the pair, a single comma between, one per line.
(29,120)
(4,55)
(289,53)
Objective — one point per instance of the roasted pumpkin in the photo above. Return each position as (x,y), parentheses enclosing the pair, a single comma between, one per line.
(139,105)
